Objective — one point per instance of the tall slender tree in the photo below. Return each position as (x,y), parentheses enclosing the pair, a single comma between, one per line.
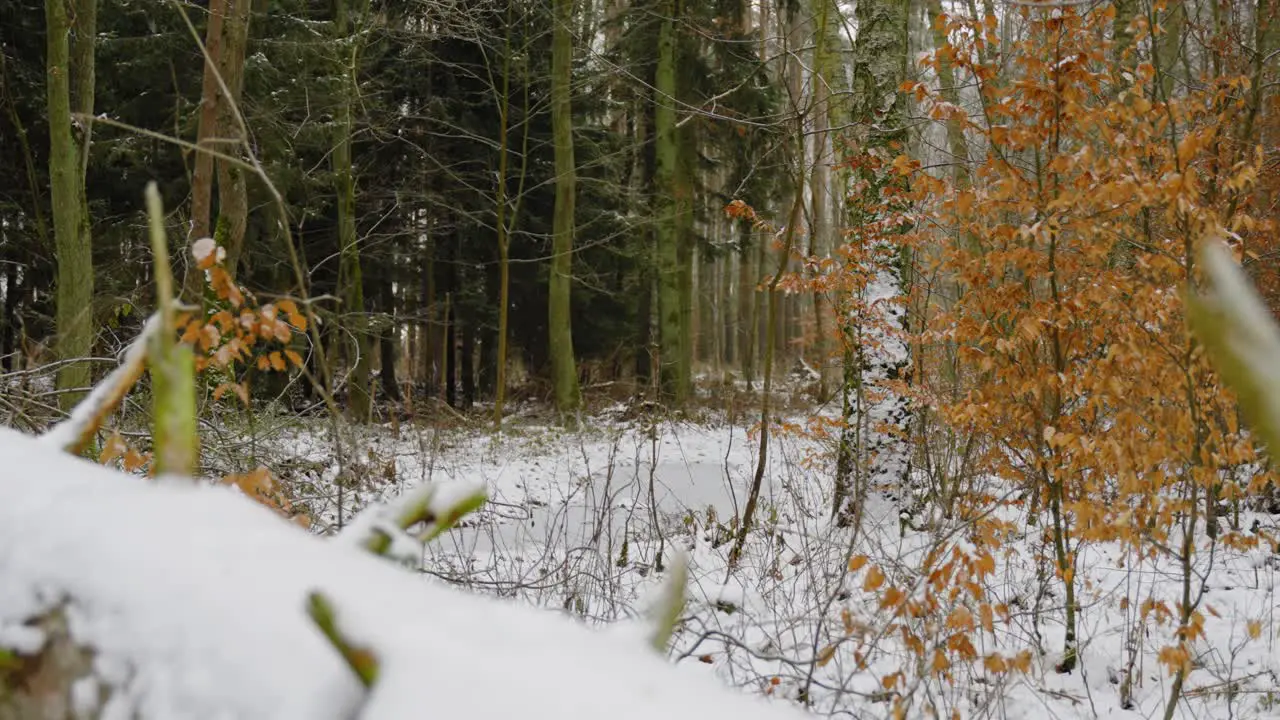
(202,174)
(233,192)
(564,370)
(865,449)
(70,73)
(669,191)
(351,280)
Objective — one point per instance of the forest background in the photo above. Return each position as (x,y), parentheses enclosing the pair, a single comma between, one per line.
(948,245)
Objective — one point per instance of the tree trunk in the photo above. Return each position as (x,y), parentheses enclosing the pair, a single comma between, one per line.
(762,457)
(564,370)
(504,288)
(68,154)
(759,342)
(487,336)
(504,227)
(668,208)
(880,61)
(388,341)
(728,303)
(9,321)
(430,323)
(467,362)
(956,144)
(709,300)
(359,394)
(747,279)
(644,321)
(233,192)
(1120,35)
(641,182)
(206,133)
(686,256)
(450,349)
(819,183)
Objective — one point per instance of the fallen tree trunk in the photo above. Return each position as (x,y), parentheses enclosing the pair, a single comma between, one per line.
(125,597)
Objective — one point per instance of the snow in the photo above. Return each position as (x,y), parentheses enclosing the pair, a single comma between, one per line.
(204,248)
(563,505)
(193,599)
(21,638)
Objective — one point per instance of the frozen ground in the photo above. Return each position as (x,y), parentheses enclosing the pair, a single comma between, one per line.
(194,602)
(583,523)
(579,520)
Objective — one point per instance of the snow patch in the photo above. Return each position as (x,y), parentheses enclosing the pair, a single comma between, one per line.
(193,600)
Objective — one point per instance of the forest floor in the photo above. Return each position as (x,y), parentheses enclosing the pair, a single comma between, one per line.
(583,521)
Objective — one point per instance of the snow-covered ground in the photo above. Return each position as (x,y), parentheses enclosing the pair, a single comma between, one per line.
(577,522)
(193,601)
(585,523)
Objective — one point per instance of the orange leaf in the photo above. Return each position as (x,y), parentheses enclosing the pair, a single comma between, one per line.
(986,564)
(960,619)
(875,578)
(114,448)
(940,663)
(134,460)
(190,333)
(1022,661)
(986,617)
(892,598)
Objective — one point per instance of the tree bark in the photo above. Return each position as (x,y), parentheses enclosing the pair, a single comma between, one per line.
(450,350)
(956,144)
(467,358)
(233,191)
(206,132)
(70,64)
(820,242)
(429,365)
(359,395)
(388,342)
(668,210)
(729,303)
(564,369)
(762,457)
(747,279)
(880,61)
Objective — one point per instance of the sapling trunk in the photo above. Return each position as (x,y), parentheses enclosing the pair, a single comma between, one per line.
(172,365)
(784,254)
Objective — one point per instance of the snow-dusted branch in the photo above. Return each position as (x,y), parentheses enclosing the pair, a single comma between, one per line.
(74,433)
